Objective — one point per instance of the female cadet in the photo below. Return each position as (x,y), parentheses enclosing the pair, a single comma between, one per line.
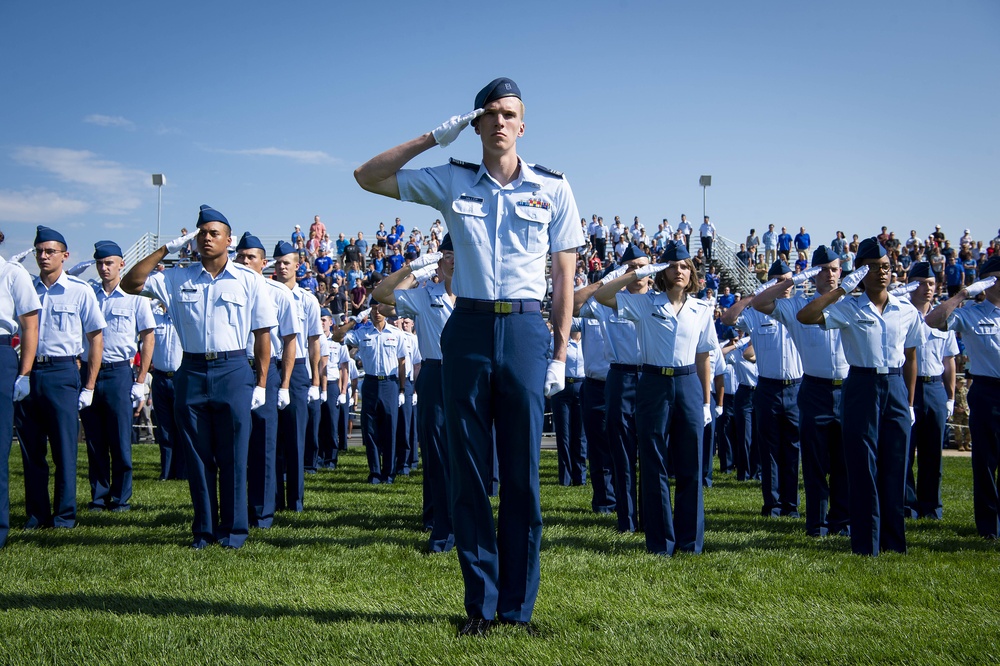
(19,306)
(676,335)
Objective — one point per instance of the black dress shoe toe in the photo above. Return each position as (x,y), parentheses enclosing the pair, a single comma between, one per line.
(475,626)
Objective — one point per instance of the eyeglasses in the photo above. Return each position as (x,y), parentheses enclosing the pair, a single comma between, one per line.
(45,251)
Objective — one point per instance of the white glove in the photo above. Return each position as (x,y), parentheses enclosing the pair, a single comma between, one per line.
(414,402)
(258,397)
(425,260)
(950,406)
(799,278)
(22,387)
(138,394)
(20,256)
(449,130)
(979,287)
(615,274)
(361,316)
(177,244)
(283,398)
(903,291)
(402,399)
(770,283)
(742,342)
(425,273)
(708,413)
(342,399)
(555,378)
(86,398)
(313,394)
(913,415)
(718,410)
(851,282)
(650,269)
(322,396)
(78,269)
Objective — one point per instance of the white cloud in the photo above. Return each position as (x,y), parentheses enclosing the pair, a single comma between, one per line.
(302,156)
(38,206)
(112,188)
(109,121)
(116,225)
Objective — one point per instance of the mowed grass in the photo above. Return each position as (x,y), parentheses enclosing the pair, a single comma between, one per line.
(350,581)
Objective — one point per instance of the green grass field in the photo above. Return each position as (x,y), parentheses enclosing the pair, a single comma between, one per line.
(349,581)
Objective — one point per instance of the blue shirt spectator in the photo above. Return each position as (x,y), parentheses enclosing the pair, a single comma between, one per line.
(297,236)
(784,241)
(395,262)
(954,274)
(309,283)
(323,264)
(802,240)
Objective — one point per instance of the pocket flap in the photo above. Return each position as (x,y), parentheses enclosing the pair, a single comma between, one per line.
(473,206)
(234,298)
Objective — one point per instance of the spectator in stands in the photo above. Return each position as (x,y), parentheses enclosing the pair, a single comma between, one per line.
(753,242)
(438,229)
(433,243)
(352,254)
(784,243)
(969,267)
(685,229)
(937,261)
(770,246)
(337,300)
(954,276)
(341,245)
(324,267)
(377,263)
(353,273)
(726,299)
(318,227)
(398,228)
(883,237)
(948,251)
(412,246)
(938,235)
(298,238)
(362,245)
(892,243)
(381,235)
(312,245)
(853,245)
(839,244)
(712,279)
(744,256)
(912,243)
(309,281)
(358,297)
(847,261)
(707,233)
(394,260)
(802,243)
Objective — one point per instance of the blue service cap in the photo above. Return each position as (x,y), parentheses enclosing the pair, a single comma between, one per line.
(44,235)
(992,265)
(325,312)
(823,255)
(869,248)
(779,267)
(105,248)
(496,89)
(446,245)
(250,242)
(209,214)
(633,251)
(674,251)
(282,248)
(919,270)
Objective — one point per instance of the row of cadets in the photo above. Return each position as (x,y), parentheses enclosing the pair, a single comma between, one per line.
(819,396)
(431,305)
(979,325)
(567,416)
(725,422)
(622,382)
(335,365)
(167,353)
(215,305)
(19,307)
(879,334)
(775,402)
(70,314)
(676,335)
(262,484)
(739,355)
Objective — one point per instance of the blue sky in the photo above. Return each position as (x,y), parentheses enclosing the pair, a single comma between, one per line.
(845,115)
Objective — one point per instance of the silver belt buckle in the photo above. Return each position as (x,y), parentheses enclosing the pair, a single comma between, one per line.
(211,356)
(41,359)
(882,371)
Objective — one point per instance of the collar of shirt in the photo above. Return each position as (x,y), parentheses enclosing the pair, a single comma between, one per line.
(525,175)
(62,282)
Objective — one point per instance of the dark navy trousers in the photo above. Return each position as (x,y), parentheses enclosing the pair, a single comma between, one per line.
(571,441)
(342,421)
(598,447)
(171,455)
(49,415)
(775,404)
(493,374)
(745,447)
(619,393)
(708,447)
(724,427)
(310,460)
(984,423)
(8,375)
(923,493)
(433,438)
(876,430)
(329,425)
(292,421)
(404,423)
(262,484)
(670,421)
(107,424)
(213,419)
(827,503)
(379,420)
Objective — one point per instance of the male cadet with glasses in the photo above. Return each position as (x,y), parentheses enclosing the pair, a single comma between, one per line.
(879,333)
(825,368)
(775,402)
(335,365)
(262,450)
(303,388)
(167,354)
(49,414)
(215,305)
(505,216)
(979,324)
(107,422)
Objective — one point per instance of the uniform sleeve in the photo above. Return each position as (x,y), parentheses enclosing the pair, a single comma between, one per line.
(324,347)
(345,356)
(836,316)
(588,309)
(708,340)
(314,325)
(633,306)
(23,292)
(285,313)
(719,364)
(914,333)
(951,345)
(564,229)
(91,316)
(784,312)
(743,323)
(351,338)
(576,325)
(144,320)
(408,301)
(403,348)
(156,287)
(262,314)
(958,321)
(427,186)
(417,358)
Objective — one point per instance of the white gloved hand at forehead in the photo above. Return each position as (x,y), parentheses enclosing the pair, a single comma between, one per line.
(177,244)
(851,282)
(979,287)
(449,130)
(799,278)
(650,269)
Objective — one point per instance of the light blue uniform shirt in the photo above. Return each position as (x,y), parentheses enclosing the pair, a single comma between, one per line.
(305,312)
(282,299)
(746,371)
(820,350)
(69,311)
(412,349)
(667,338)
(620,335)
(167,351)
(777,357)
(17,296)
(501,233)
(730,382)
(979,325)
(596,356)
(380,351)
(430,308)
(575,361)
(872,339)
(934,347)
(127,316)
(337,355)
(213,314)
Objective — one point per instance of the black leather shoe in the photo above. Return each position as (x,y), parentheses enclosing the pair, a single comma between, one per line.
(475,626)
(526,627)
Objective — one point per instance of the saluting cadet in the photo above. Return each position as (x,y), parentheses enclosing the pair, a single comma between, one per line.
(167,353)
(979,324)
(19,306)
(775,402)
(303,388)
(215,305)
(69,314)
(740,355)
(107,422)
(262,450)
(567,417)
(335,365)
(431,305)
(383,358)
(676,336)
(405,453)
(879,333)
(819,396)
(933,403)
(620,389)
(505,216)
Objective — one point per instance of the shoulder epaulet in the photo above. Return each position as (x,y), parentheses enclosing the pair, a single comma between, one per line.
(464,165)
(551,172)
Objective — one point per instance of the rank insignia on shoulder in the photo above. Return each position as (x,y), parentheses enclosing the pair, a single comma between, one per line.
(535,203)
(464,165)
(551,172)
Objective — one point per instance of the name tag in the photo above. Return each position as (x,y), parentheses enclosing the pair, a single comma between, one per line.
(987,329)
(466,197)
(865,322)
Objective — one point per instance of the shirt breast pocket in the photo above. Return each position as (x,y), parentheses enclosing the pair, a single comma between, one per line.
(235,305)
(989,335)
(121,320)
(67,319)
(471,215)
(532,227)
(813,336)
(766,338)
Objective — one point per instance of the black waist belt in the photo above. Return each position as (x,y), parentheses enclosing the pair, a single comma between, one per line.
(810,379)
(42,360)
(431,362)
(214,356)
(6,340)
(992,381)
(929,380)
(163,373)
(667,371)
(383,378)
(573,380)
(622,367)
(114,364)
(596,380)
(298,361)
(498,307)
(857,370)
(778,382)
(747,387)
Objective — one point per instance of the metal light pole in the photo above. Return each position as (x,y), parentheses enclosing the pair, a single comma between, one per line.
(158,180)
(705,182)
